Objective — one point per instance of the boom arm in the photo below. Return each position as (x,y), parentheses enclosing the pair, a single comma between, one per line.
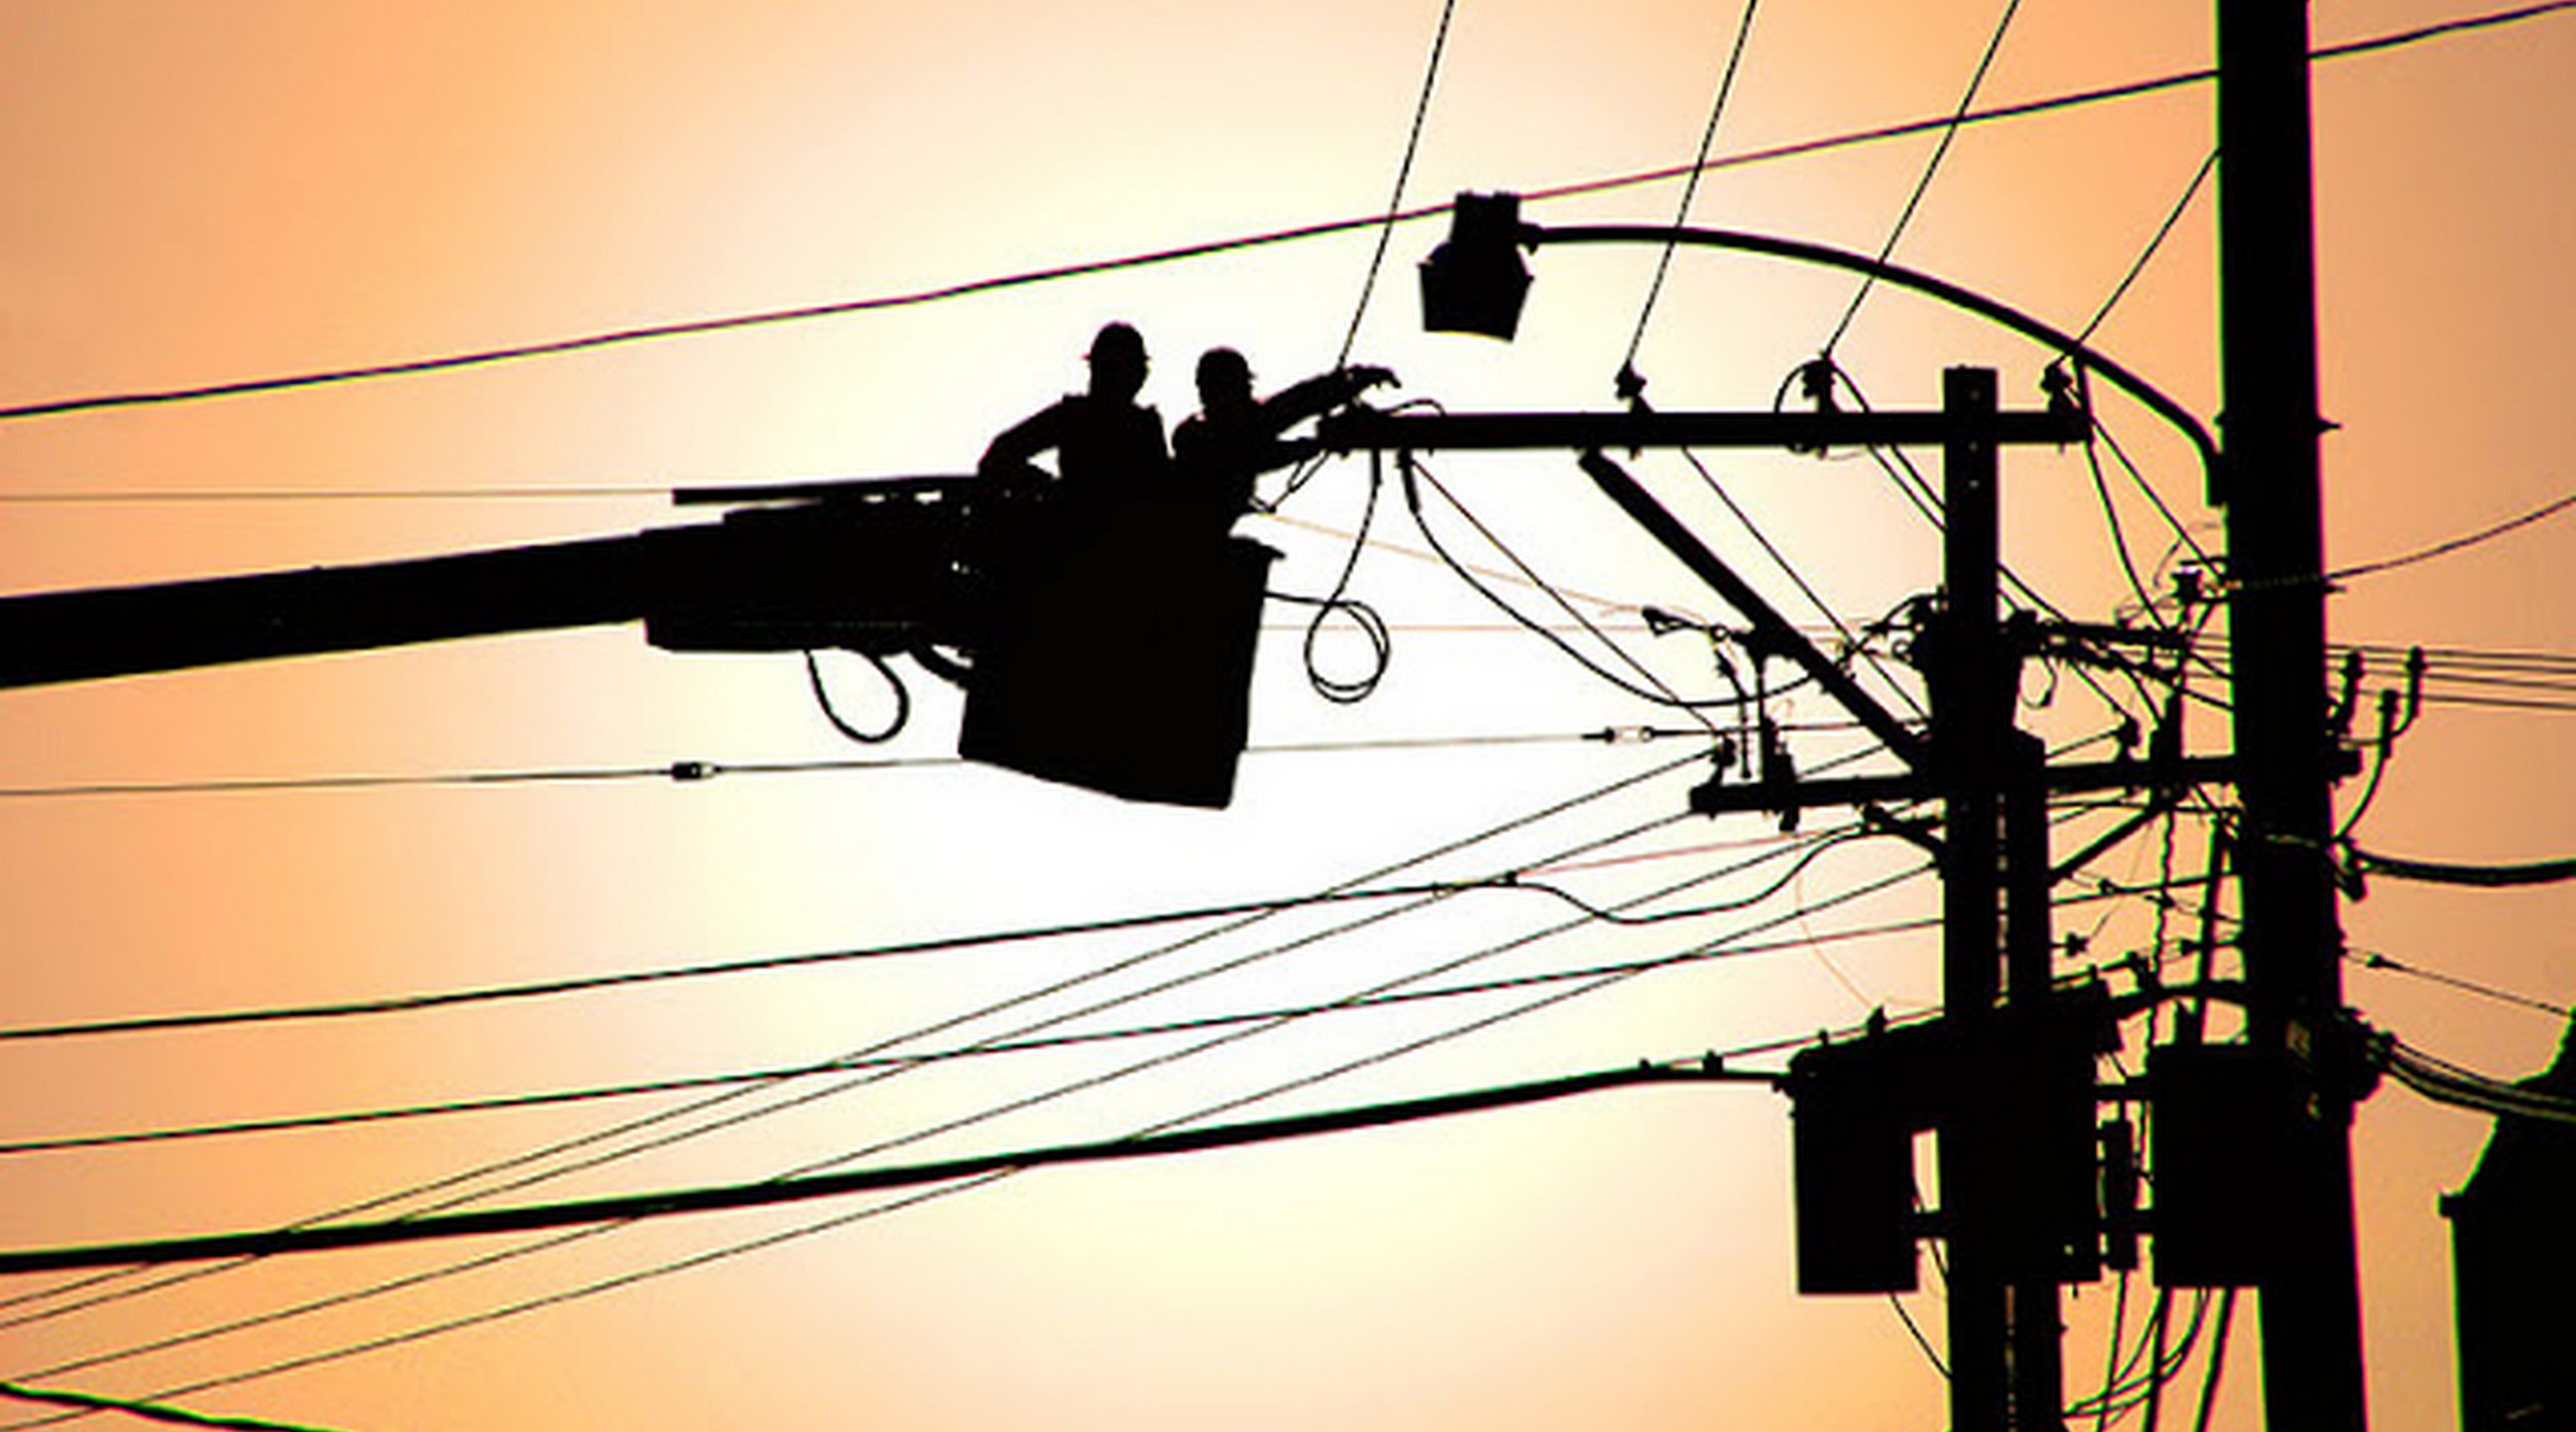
(1115,658)
(873,567)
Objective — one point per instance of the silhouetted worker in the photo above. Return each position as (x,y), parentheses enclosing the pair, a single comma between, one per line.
(1235,437)
(1108,446)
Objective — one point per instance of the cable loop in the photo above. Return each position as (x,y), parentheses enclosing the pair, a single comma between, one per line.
(823,699)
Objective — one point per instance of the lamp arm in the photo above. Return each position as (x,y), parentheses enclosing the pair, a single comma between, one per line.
(1800,251)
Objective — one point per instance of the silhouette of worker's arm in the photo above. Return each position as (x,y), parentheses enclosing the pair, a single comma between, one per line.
(1017,446)
(1320,394)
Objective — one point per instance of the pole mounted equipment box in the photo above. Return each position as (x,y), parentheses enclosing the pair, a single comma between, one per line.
(1858,1106)
(2219,1162)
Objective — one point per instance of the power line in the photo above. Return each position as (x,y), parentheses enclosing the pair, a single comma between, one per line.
(2147,255)
(1590,985)
(2443,549)
(1662,693)
(2448,1083)
(643,333)
(1780,560)
(634,1208)
(954,1124)
(1591,982)
(983,1049)
(2447,872)
(1403,173)
(691,772)
(148,1411)
(1086,268)
(990,1008)
(2373,960)
(1807,849)
(1923,184)
(538,1303)
(1690,189)
(2055,104)
(629,1279)
(423,1001)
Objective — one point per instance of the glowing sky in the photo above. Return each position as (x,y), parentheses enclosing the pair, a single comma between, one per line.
(200,193)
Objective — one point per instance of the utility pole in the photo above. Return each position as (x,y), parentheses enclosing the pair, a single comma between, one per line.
(2006,1369)
(2013,1119)
(1971,716)
(2269,481)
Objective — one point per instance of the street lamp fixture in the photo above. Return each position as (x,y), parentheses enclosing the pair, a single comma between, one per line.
(1475,282)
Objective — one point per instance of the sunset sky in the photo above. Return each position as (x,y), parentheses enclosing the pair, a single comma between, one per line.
(199,194)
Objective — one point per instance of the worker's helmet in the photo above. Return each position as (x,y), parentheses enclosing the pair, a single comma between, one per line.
(1224,370)
(1119,344)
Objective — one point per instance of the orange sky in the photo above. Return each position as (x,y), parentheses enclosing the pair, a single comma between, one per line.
(205,193)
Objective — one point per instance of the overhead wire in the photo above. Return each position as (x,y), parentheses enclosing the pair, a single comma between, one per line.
(2053,104)
(2217,1364)
(1852,645)
(631,1278)
(1547,1000)
(687,772)
(419,1333)
(2483,535)
(422,1001)
(1656,690)
(2448,1083)
(636,1208)
(341,1300)
(2155,244)
(1438,851)
(1611,974)
(1403,175)
(1923,184)
(634,1126)
(1690,187)
(1083,268)
(1812,845)
(148,1411)
(2181,530)
(1632,385)
(2374,960)
(2148,603)
(1806,848)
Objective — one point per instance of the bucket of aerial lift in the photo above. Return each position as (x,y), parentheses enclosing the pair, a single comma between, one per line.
(1121,661)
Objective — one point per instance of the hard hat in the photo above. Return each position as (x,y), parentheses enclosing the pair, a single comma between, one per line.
(1117,342)
(1222,366)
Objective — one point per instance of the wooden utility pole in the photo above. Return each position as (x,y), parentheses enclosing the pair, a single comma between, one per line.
(1971,718)
(2269,481)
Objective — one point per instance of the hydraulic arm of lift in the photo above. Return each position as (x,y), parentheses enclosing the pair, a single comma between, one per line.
(1096,664)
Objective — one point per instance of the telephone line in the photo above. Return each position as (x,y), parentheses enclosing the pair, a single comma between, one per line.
(890,1144)
(635,1208)
(549,1098)
(628,1279)
(148,1411)
(574,1144)
(1923,185)
(538,989)
(689,772)
(1078,269)
(1403,174)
